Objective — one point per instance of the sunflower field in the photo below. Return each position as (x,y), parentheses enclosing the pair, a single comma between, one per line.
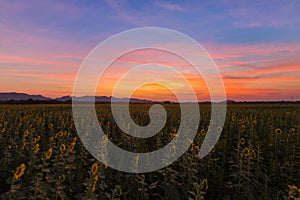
(256,157)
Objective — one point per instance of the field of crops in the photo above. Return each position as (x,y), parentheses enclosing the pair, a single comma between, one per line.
(257,156)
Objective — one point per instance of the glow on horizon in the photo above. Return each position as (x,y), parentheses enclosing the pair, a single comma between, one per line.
(256,46)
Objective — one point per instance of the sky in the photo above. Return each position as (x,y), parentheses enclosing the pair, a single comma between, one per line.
(255,45)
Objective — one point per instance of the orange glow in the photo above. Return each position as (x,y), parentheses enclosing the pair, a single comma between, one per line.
(249,73)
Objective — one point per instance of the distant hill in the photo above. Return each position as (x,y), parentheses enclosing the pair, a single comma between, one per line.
(102,99)
(21,96)
(14,96)
(228,101)
(64,98)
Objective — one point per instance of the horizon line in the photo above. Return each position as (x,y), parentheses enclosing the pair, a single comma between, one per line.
(144,99)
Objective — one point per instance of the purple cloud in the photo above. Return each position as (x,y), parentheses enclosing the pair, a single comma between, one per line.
(169,6)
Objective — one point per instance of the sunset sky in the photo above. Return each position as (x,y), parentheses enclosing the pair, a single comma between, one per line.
(255,44)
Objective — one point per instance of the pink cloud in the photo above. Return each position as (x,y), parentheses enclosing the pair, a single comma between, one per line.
(169,6)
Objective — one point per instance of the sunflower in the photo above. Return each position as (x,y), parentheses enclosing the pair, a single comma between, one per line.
(60,134)
(294,192)
(50,126)
(94,168)
(49,153)
(247,122)
(74,139)
(71,148)
(19,172)
(197,148)
(246,152)
(278,131)
(93,188)
(26,133)
(254,122)
(242,141)
(243,127)
(202,132)
(233,118)
(172,135)
(36,148)
(213,150)
(61,151)
(192,146)
(174,130)
(34,140)
(292,131)
(63,146)
(24,144)
(292,187)
(51,139)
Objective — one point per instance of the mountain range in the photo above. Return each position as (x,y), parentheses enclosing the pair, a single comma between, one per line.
(14,96)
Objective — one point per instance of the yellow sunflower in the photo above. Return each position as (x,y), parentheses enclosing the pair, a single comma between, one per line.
(34,140)
(233,118)
(94,168)
(71,148)
(19,172)
(60,134)
(63,146)
(26,133)
(278,131)
(24,144)
(242,141)
(246,152)
(240,121)
(292,131)
(50,126)
(36,148)
(202,132)
(49,153)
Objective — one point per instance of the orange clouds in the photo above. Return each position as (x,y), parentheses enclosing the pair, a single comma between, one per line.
(259,72)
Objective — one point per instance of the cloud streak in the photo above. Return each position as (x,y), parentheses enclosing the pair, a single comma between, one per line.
(169,6)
